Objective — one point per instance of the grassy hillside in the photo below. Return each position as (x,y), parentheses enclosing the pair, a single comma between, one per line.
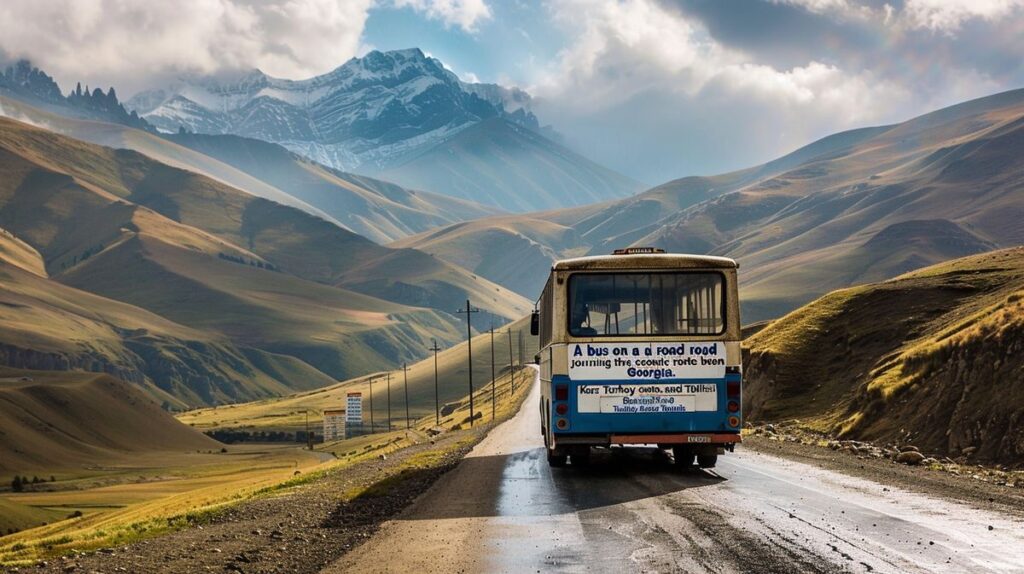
(933,357)
(854,207)
(41,166)
(288,413)
(52,422)
(50,326)
(269,279)
(496,162)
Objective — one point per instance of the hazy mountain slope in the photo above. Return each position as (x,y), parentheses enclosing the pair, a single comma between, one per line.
(850,208)
(151,145)
(50,326)
(498,162)
(290,239)
(508,250)
(375,209)
(55,421)
(932,357)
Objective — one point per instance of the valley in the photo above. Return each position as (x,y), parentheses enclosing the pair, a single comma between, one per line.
(191,277)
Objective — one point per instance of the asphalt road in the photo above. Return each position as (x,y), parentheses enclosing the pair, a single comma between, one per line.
(504,510)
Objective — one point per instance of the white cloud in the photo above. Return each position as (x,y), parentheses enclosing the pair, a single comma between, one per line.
(465,14)
(622,48)
(949,15)
(657,80)
(120,40)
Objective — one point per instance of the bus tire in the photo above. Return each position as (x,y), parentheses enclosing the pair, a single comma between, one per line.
(684,456)
(707,460)
(556,460)
(580,457)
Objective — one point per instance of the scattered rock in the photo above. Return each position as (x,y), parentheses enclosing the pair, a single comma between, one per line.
(909,448)
(910,457)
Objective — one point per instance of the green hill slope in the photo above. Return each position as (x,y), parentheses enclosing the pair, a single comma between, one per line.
(933,357)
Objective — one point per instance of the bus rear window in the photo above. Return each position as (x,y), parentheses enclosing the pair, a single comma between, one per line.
(615,304)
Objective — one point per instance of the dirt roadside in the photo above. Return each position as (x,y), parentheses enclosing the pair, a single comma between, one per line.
(937,483)
(299,529)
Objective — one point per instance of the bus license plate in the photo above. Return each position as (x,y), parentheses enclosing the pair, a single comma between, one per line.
(698,438)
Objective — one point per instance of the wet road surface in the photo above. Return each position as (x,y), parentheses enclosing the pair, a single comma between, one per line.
(504,510)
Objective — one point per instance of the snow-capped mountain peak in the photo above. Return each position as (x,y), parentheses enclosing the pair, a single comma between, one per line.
(368,111)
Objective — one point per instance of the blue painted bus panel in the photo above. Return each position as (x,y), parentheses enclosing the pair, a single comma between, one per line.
(630,423)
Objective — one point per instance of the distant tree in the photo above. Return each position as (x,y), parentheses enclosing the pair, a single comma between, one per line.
(17,485)
(35,480)
(112,95)
(52,479)
(78,89)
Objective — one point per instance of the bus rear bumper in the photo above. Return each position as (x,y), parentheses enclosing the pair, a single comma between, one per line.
(677,438)
(709,439)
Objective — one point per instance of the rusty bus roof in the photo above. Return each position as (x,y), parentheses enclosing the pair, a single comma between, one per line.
(644,261)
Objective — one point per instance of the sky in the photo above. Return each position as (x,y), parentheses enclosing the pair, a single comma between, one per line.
(656,89)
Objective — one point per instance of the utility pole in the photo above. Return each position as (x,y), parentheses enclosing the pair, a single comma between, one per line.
(511,361)
(522,358)
(371,406)
(405,375)
(309,439)
(437,407)
(389,401)
(494,394)
(469,310)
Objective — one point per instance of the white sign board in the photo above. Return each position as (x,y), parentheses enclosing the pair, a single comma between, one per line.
(354,409)
(647,398)
(646,361)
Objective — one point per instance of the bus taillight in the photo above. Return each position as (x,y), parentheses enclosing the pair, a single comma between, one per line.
(561,392)
(732,389)
(734,421)
(733,406)
(561,408)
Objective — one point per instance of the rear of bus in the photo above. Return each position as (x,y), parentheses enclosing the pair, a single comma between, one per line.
(640,348)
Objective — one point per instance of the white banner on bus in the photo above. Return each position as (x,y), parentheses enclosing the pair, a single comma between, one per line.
(647,398)
(646,361)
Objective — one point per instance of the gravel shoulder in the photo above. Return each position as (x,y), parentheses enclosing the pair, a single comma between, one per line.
(972,486)
(298,529)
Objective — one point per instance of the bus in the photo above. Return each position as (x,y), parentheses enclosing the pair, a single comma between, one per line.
(640,347)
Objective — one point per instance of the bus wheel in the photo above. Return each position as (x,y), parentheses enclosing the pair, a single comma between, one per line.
(684,456)
(556,460)
(707,460)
